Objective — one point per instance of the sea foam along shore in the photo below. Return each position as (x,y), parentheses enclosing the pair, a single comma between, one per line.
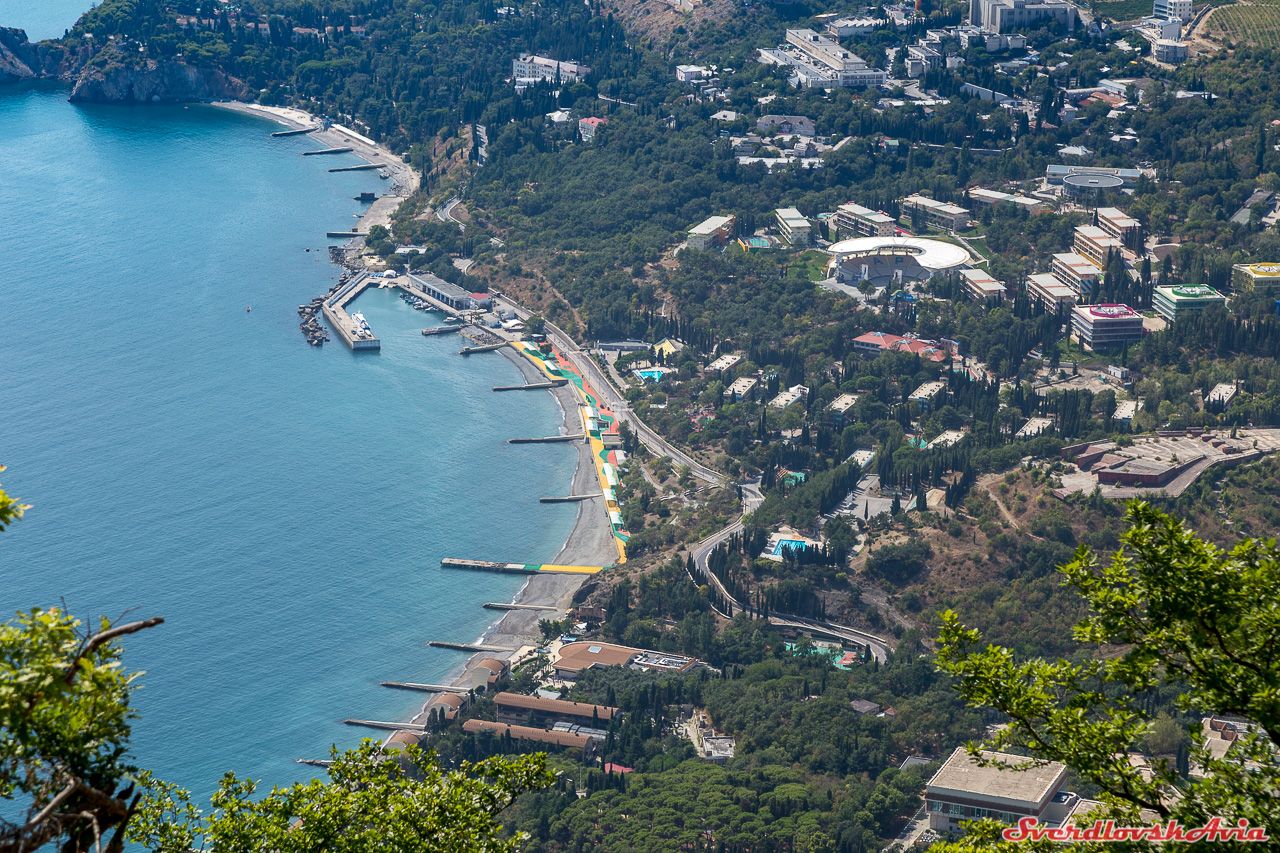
(591,541)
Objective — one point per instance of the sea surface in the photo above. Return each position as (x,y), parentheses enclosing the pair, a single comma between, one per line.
(42,19)
(283,507)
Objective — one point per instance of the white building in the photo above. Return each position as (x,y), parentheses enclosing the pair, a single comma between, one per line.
(724,362)
(711,232)
(1180,9)
(855,219)
(1116,223)
(937,214)
(529,68)
(847,27)
(1169,50)
(821,63)
(1076,271)
(981,287)
(1100,326)
(1221,395)
(926,393)
(1172,301)
(793,226)
(792,395)
(1096,244)
(1002,16)
(690,73)
(1050,293)
(991,198)
(741,388)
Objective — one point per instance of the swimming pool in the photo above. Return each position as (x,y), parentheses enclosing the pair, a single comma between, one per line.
(788,545)
(652,375)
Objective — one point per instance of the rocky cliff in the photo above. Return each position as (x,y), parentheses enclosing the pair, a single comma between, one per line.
(154,82)
(19,59)
(107,75)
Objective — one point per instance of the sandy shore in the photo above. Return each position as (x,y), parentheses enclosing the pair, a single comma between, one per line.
(591,541)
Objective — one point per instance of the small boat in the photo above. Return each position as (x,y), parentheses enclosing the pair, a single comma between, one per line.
(248,307)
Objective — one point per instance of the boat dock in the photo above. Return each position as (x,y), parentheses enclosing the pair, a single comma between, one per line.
(338,235)
(532,386)
(393,727)
(546,439)
(442,330)
(326,151)
(425,688)
(363,167)
(487,566)
(335,311)
(569,499)
(295,132)
(468,647)
(497,605)
(315,762)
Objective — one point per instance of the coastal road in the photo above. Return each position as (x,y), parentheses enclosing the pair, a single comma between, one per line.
(702,551)
(613,399)
(445,213)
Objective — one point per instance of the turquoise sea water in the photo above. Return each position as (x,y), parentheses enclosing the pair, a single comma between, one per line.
(42,19)
(284,507)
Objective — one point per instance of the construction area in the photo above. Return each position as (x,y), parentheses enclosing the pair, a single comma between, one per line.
(1167,462)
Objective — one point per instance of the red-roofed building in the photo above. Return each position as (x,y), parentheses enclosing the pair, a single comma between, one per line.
(587,127)
(482,300)
(874,343)
(617,768)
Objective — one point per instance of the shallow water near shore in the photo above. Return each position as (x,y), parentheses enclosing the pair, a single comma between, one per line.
(284,507)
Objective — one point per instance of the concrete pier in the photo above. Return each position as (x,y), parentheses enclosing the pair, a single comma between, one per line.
(497,605)
(364,167)
(338,235)
(486,566)
(546,439)
(442,330)
(425,688)
(568,499)
(482,348)
(532,386)
(326,151)
(393,727)
(335,311)
(295,132)
(468,647)
(314,762)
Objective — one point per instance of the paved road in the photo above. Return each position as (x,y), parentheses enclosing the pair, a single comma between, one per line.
(613,399)
(702,550)
(445,213)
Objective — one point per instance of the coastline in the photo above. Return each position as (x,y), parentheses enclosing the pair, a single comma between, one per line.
(590,540)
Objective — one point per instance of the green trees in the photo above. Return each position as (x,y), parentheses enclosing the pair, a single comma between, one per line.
(1168,612)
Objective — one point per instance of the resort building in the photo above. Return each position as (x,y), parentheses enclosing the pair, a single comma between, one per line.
(962,790)
(1050,293)
(1264,278)
(1102,326)
(1075,271)
(793,226)
(530,733)
(848,27)
(529,68)
(1173,301)
(1116,223)
(1003,16)
(690,73)
(925,394)
(854,219)
(587,127)
(441,290)
(1221,396)
(575,658)
(789,397)
(518,709)
(797,125)
(741,388)
(991,198)
(724,362)
(937,214)
(981,287)
(1180,9)
(873,343)
(1056,174)
(445,705)
(822,63)
(1096,244)
(712,232)
(842,409)
(488,672)
(1171,51)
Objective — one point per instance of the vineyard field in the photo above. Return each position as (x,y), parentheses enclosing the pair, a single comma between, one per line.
(1253,24)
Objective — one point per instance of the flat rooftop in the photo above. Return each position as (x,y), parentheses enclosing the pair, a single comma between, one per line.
(1029,788)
